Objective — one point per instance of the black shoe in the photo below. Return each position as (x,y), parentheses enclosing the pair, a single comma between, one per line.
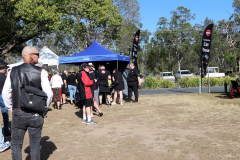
(128,101)
(101,114)
(109,104)
(65,102)
(134,101)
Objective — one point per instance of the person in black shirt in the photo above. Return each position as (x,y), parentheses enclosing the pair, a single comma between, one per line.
(94,89)
(71,80)
(133,80)
(64,87)
(3,71)
(103,84)
(118,85)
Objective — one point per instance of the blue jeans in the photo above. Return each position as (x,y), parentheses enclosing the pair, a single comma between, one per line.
(5,117)
(72,91)
(23,121)
(1,138)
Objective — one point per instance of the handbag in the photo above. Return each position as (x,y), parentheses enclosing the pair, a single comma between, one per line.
(32,98)
(116,82)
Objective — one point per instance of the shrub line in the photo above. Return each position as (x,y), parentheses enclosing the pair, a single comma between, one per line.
(187,82)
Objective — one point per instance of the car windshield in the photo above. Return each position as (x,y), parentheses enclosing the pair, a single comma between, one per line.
(147,74)
(211,70)
(167,74)
(185,72)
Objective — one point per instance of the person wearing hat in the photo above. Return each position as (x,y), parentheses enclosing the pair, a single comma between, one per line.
(71,80)
(85,93)
(3,71)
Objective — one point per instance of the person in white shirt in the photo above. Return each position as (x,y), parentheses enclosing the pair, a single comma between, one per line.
(23,119)
(56,82)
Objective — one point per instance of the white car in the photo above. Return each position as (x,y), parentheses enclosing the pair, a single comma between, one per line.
(213,72)
(183,73)
(167,75)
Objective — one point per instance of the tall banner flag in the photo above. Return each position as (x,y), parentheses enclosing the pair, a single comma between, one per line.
(206,44)
(135,48)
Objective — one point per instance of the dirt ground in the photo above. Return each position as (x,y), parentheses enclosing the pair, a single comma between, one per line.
(167,127)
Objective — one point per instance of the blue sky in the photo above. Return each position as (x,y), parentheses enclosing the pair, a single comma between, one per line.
(152,10)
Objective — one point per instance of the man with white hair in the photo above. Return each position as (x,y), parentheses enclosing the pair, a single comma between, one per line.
(23,119)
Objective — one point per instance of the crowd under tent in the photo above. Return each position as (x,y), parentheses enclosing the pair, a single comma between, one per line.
(99,55)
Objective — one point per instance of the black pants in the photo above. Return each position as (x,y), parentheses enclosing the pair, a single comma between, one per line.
(135,89)
(21,122)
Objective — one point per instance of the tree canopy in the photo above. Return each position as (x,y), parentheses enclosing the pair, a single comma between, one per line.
(24,20)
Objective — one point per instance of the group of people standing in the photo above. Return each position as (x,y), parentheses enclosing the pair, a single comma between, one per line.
(60,85)
(87,86)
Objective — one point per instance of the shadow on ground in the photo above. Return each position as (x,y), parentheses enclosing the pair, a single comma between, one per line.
(223,95)
(79,113)
(47,149)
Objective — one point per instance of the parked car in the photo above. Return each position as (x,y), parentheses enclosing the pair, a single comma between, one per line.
(167,75)
(213,72)
(183,73)
(147,74)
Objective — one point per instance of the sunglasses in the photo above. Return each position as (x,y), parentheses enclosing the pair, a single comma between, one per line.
(37,54)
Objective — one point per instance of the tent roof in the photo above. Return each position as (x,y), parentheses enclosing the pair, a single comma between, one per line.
(15,64)
(46,56)
(93,53)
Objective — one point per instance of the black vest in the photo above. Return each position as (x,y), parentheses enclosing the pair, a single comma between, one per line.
(30,75)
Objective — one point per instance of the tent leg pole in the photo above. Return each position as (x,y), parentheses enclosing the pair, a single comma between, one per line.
(117,64)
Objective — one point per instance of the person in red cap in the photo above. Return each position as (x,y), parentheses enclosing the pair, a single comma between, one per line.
(85,93)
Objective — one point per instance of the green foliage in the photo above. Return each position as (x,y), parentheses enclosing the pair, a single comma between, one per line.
(177,44)
(84,20)
(151,82)
(188,82)
(155,83)
(130,10)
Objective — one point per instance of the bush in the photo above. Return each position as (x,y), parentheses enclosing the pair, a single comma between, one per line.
(188,82)
(151,82)
(194,82)
(155,83)
(234,74)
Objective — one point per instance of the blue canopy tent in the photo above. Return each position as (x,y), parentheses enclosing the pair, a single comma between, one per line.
(97,54)
(94,53)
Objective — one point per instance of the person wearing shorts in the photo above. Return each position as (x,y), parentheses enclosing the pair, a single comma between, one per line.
(85,93)
(56,83)
(103,85)
(94,89)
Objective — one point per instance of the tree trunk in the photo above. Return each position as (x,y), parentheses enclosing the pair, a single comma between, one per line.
(179,65)
(3,52)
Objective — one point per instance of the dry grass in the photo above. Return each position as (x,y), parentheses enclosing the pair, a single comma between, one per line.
(188,126)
